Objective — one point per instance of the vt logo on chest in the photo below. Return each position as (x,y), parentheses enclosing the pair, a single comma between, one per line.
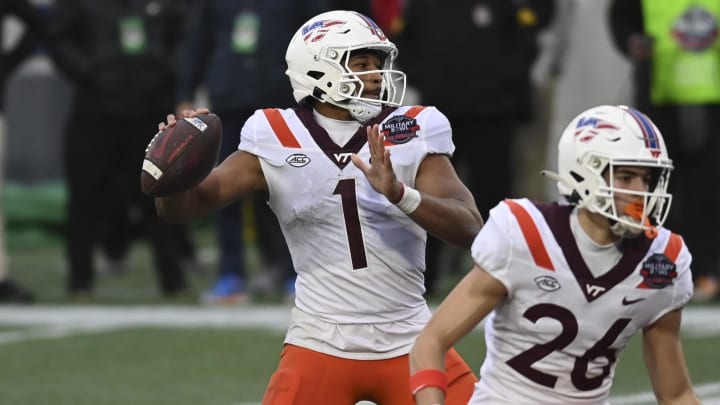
(342,157)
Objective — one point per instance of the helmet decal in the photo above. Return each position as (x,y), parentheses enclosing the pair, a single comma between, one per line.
(651,138)
(587,128)
(373,27)
(316,31)
(596,123)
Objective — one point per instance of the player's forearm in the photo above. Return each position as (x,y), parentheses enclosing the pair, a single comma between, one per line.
(454,221)
(185,206)
(175,208)
(665,361)
(429,396)
(688,397)
(427,354)
(671,381)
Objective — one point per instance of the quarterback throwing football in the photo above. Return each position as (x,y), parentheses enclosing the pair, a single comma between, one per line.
(355,180)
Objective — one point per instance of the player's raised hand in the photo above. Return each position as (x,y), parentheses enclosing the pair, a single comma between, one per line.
(171,120)
(379,171)
(194,113)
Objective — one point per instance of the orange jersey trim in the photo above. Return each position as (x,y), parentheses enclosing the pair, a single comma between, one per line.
(532,235)
(414,111)
(672,250)
(280,127)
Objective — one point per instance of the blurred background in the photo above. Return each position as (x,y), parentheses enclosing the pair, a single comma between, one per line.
(571,66)
(97,295)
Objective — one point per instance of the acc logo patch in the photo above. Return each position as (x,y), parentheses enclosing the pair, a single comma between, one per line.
(297,160)
(658,271)
(547,283)
(400,129)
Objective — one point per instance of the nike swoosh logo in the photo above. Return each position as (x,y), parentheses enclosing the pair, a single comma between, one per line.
(160,149)
(626,301)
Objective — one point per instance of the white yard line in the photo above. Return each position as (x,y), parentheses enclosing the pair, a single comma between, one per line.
(710,394)
(697,321)
(52,322)
(57,321)
(263,317)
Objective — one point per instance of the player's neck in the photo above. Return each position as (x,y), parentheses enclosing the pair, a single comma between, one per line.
(333,111)
(596,227)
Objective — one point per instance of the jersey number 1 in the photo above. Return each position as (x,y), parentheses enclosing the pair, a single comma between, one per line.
(346,190)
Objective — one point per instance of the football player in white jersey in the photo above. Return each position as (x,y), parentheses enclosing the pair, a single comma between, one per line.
(355,180)
(567,285)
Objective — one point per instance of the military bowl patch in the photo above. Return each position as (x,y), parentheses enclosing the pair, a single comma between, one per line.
(658,271)
(400,129)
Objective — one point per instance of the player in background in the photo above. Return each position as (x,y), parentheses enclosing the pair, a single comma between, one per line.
(568,285)
(355,180)
(12,54)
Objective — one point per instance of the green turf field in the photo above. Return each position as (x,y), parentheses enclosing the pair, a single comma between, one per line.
(128,346)
(205,365)
(63,361)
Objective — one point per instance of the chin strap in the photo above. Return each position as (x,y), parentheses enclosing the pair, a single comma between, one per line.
(622,230)
(362,111)
(650,230)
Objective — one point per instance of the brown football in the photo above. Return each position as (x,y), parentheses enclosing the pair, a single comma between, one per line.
(181,156)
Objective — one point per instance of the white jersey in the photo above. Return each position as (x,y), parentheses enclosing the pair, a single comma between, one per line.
(359,259)
(557,337)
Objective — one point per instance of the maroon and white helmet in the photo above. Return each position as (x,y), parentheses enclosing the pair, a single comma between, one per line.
(601,139)
(317,59)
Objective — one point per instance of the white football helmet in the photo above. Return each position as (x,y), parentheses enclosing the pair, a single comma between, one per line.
(317,59)
(601,139)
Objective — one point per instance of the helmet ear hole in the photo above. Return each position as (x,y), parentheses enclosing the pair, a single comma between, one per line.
(318,93)
(315,74)
(577,177)
(573,198)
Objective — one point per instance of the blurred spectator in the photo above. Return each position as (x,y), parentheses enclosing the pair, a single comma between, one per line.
(118,54)
(675,51)
(388,14)
(237,49)
(572,46)
(10,59)
(477,72)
